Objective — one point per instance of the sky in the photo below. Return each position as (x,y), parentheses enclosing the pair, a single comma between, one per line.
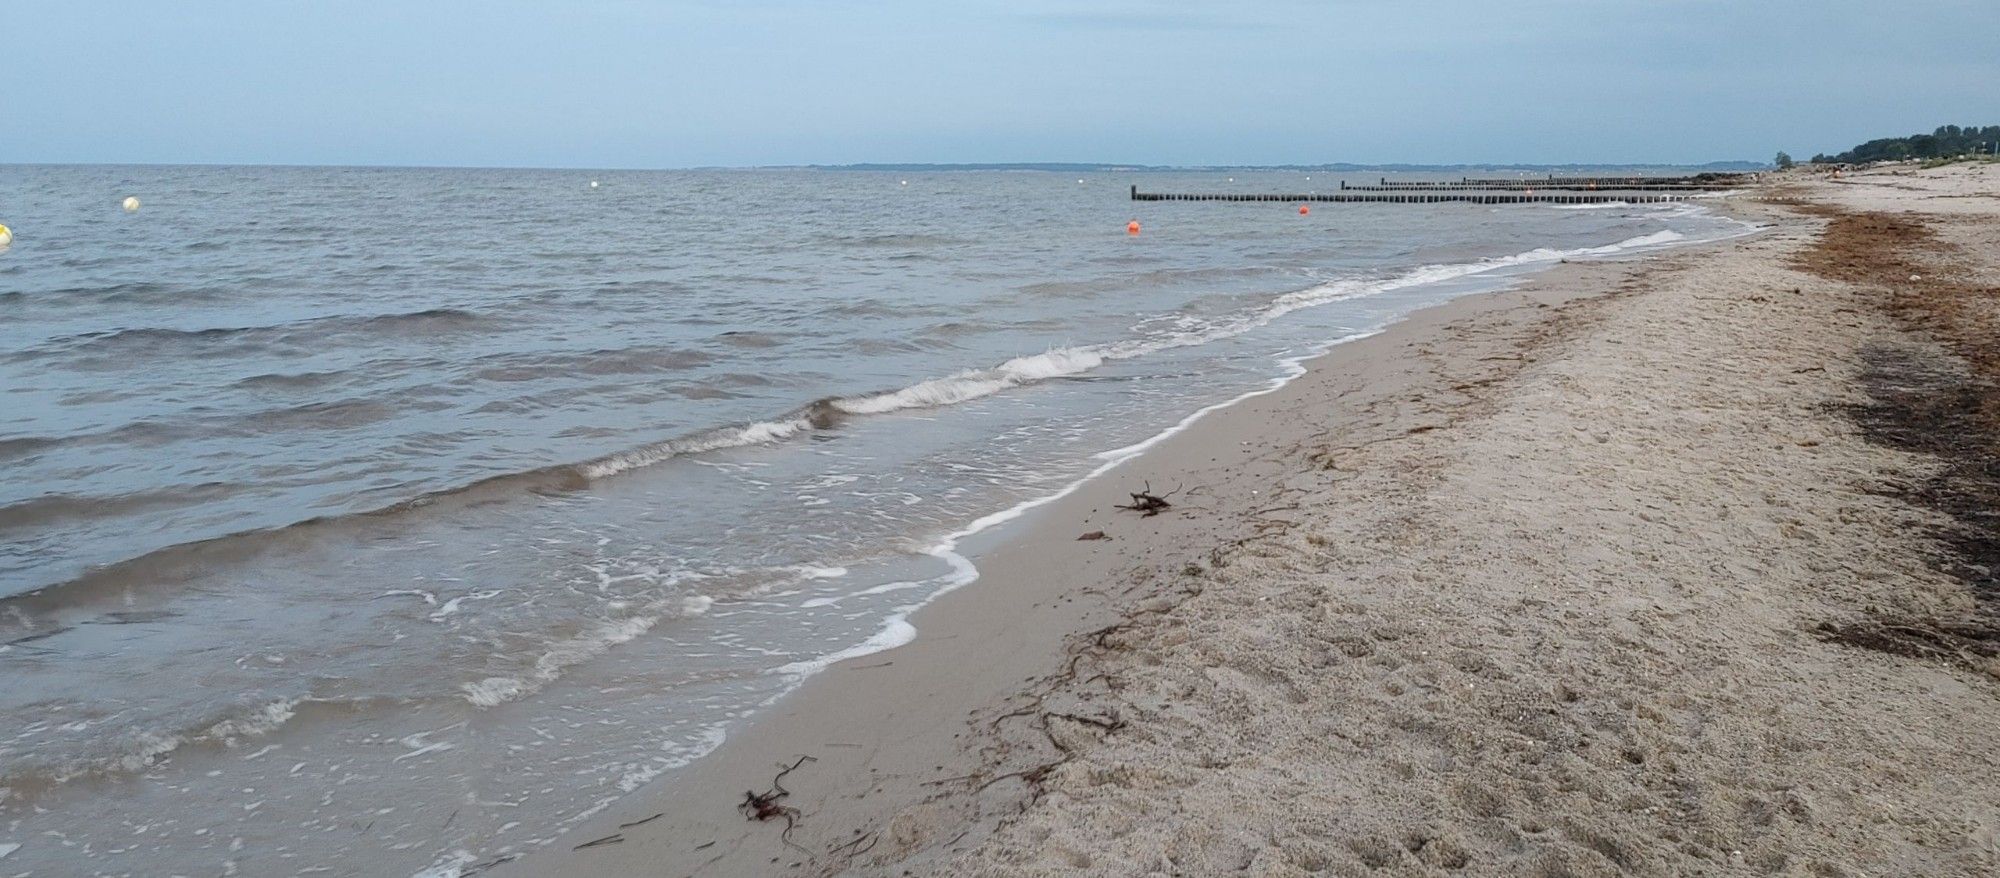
(685,83)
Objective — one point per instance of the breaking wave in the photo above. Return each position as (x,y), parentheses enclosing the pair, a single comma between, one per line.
(143,748)
(1070,361)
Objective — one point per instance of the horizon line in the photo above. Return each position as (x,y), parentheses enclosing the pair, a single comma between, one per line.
(1050,166)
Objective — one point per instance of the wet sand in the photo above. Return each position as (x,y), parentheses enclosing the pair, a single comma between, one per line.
(1645,567)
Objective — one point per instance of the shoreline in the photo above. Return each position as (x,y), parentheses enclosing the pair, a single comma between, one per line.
(1638,566)
(837,705)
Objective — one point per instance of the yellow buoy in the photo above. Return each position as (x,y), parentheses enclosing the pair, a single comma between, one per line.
(131,204)
(6,236)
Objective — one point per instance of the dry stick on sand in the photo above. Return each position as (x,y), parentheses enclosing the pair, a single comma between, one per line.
(642,822)
(856,847)
(764,806)
(616,837)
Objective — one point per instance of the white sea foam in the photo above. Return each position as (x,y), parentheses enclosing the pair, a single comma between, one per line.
(976,383)
(262,721)
(451,606)
(894,633)
(596,640)
(677,756)
(451,865)
(145,748)
(420,745)
(593,642)
(493,691)
(884,588)
(759,433)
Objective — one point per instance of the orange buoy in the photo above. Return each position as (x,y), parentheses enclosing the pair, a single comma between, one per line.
(1303,210)
(1132,228)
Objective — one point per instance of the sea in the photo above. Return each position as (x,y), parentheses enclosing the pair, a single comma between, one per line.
(390,521)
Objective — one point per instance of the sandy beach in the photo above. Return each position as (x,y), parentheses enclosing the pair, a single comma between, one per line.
(1675,565)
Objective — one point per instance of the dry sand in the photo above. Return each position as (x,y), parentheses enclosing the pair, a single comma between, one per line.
(1660,567)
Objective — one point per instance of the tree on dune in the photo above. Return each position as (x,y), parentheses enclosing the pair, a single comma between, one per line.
(1945,142)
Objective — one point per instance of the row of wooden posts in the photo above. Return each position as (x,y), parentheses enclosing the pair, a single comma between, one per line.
(1692,179)
(1420,197)
(1535,185)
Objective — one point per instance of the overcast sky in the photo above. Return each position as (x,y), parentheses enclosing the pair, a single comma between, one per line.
(675,83)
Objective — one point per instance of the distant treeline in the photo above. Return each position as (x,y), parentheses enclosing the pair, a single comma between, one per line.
(1945,142)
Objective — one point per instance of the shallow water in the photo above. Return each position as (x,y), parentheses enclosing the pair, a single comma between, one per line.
(425,511)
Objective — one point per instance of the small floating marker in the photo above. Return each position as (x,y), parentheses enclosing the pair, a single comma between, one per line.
(1304,209)
(593,184)
(131,204)
(1079,179)
(6,237)
(1132,228)
(906,182)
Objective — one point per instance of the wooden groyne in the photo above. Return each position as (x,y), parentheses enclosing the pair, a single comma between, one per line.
(1535,186)
(1697,181)
(1689,179)
(1420,197)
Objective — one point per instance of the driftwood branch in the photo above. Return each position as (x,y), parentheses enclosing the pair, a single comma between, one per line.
(1148,503)
(766,805)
